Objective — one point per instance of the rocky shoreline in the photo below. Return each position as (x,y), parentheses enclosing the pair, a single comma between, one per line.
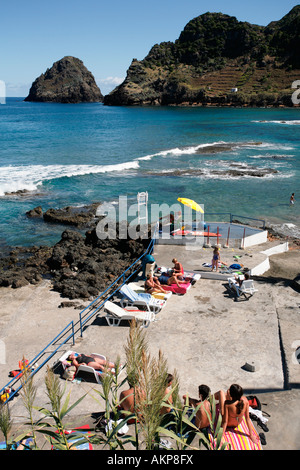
(80,265)
(239,170)
(75,216)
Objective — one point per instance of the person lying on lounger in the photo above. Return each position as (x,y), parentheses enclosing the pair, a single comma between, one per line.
(172,279)
(95,362)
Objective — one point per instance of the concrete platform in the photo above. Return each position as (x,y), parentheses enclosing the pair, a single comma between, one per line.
(225,234)
(206,335)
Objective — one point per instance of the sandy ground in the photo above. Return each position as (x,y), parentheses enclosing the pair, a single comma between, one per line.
(205,335)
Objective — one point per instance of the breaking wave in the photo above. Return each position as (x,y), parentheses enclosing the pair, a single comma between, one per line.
(31,177)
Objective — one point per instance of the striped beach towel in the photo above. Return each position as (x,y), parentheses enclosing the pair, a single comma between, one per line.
(238,438)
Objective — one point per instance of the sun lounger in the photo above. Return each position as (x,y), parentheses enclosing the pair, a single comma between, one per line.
(140,300)
(84,371)
(247,288)
(115,314)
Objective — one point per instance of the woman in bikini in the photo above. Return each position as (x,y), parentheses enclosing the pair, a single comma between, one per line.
(233,406)
(153,285)
(216,259)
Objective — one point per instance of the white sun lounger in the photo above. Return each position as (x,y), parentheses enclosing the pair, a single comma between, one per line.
(140,299)
(247,288)
(115,314)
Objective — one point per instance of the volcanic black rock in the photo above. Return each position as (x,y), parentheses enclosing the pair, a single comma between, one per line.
(72,215)
(67,81)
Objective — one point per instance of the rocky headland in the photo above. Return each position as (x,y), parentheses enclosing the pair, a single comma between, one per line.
(67,81)
(217,61)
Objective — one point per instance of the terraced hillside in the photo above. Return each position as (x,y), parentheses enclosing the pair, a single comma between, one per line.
(218,60)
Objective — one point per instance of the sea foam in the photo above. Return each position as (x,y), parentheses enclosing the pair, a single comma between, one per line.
(31,177)
(291,122)
(180,151)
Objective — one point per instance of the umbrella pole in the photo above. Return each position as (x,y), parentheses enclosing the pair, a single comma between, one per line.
(243,240)
(218,236)
(207,244)
(227,243)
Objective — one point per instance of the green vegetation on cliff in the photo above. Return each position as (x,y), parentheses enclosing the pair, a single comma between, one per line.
(218,60)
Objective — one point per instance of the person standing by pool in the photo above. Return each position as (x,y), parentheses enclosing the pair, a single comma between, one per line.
(216,259)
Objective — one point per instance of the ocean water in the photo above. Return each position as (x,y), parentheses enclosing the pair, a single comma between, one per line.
(242,161)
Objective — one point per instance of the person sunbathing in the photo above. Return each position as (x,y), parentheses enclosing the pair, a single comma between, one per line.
(204,411)
(233,407)
(127,399)
(172,279)
(169,400)
(152,284)
(178,268)
(95,362)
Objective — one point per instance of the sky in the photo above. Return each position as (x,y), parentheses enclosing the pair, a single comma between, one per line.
(106,36)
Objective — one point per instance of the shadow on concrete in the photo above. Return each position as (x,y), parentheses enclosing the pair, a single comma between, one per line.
(292,283)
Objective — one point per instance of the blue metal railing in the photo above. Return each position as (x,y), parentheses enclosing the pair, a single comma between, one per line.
(31,364)
(122,276)
(71,325)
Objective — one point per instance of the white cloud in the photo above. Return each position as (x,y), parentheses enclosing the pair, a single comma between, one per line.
(17,89)
(107,84)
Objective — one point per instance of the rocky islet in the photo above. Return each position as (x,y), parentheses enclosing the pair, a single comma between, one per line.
(67,81)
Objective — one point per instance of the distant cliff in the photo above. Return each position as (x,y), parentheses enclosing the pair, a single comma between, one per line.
(218,60)
(67,81)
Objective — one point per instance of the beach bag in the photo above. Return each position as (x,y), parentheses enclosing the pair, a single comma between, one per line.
(69,373)
(254,402)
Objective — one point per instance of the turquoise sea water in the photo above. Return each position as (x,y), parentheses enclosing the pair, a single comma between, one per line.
(77,154)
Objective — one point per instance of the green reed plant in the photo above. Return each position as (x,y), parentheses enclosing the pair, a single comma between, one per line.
(5,424)
(110,394)
(53,429)
(177,424)
(135,347)
(28,396)
(150,394)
